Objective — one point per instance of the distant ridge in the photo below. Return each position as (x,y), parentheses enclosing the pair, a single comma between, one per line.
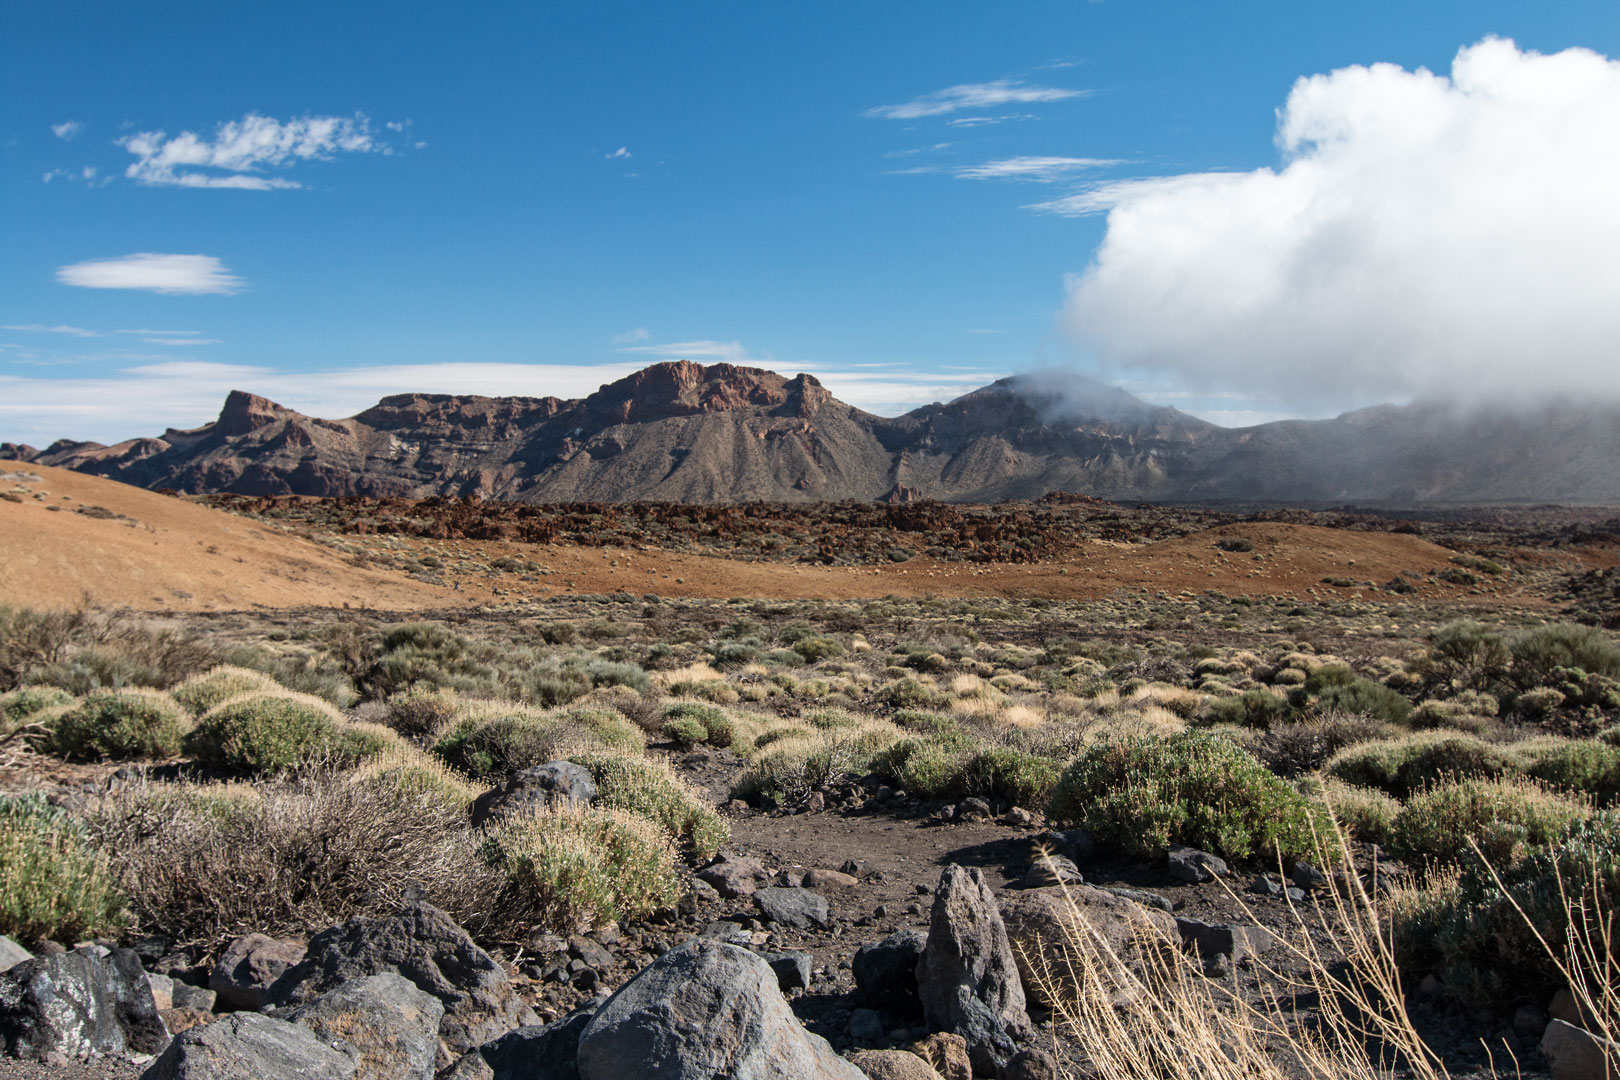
(686,432)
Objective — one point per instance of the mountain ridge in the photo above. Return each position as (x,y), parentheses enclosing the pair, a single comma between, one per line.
(685,432)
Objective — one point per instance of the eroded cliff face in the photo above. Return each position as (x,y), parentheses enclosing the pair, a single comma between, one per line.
(686,432)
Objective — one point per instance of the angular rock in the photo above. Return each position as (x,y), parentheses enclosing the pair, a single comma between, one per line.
(471,1066)
(538,787)
(735,877)
(886,971)
(186,996)
(798,908)
(1044,928)
(701,1010)
(968,979)
(589,951)
(81,1003)
(1142,896)
(1029,1064)
(1194,866)
(393,1025)
(1053,870)
(1237,943)
(865,1025)
(973,809)
(792,968)
(829,879)
(536,1052)
(947,1053)
(1576,1054)
(247,968)
(893,1065)
(251,1046)
(180,1019)
(12,954)
(425,945)
(162,991)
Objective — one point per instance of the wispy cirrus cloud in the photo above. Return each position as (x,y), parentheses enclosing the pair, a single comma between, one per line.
(621,154)
(1041,170)
(986,121)
(630,337)
(153,272)
(41,328)
(66,130)
(971,96)
(241,150)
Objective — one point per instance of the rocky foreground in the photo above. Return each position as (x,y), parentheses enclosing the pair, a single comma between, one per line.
(413,997)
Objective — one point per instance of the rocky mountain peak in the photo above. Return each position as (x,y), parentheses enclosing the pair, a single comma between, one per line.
(244,412)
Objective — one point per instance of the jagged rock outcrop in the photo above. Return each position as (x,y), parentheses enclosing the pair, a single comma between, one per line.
(684,432)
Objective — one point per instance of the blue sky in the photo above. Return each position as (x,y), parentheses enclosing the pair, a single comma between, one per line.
(905,199)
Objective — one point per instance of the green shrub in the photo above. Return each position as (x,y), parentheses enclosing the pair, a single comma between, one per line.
(1506,818)
(494,742)
(1467,656)
(1141,794)
(202,692)
(1302,746)
(690,723)
(789,769)
(926,767)
(912,695)
(610,727)
(121,725)
(54,884)
(1365,813)
(1537,703)
(651,790)
(1539,653)
(1485,952)
(266,735)
(421,713)
(1003,773)
(20,704)
(1583,766)
(1366,697)
(1252,708)
(1235,544)
(816,648)
(569,871)
(1402,766)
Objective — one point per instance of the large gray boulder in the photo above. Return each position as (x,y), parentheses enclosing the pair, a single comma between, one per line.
(968,978)
(537,788)
(251,1046)
(81,1003)
(424,945)
(1573,1053)
(705,1009)
(247,968)
(393,1026)
(800,909)
(1050,928)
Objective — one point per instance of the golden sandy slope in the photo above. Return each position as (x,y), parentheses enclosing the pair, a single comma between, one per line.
(167,553)
(163,552)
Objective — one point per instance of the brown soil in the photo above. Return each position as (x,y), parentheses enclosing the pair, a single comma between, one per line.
(73,535)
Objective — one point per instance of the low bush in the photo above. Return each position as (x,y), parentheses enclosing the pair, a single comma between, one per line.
(18,705)
(1301,747)
(202,692)
(1253,708)
(690,723)
(1365,813)
(1479,935)
(54,884)
(1505,818)
(925,767)
(264,734)
(1142,794)
(1002,773)
(787,770)
(911,694)
(1538,654)
(491,740)
(570,871)
(1581,766)
(420,713)
(210,862)
(120,725)
(1366,697)
(1403,766)
(648,788)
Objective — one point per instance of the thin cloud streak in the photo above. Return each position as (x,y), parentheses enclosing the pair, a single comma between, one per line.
(240,149)
(971,96)
(153,272)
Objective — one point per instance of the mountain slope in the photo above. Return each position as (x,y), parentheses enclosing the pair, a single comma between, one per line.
(685,432)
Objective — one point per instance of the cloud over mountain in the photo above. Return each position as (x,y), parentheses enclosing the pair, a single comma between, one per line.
(1424,234)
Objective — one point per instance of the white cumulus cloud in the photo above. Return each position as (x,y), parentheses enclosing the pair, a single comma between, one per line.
(973,96)
(242,149)
(154,273)
(1424,234)
(66,130)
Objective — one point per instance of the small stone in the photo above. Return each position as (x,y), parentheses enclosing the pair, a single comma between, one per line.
(947,1053)
(865,1025)
(589,951)
(829,879)
(893,1065)
(737,806)
(729,932)
(856,868)
(1238,943)
(1018,818)
(1194,866)
(816,803)
(1029,1064)
(162,991)
(1053,870)
(735,877)
(973,809)
(792,968)
(12,954)
(249,966)
(1266,885)
(1307,876)
(797,908)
